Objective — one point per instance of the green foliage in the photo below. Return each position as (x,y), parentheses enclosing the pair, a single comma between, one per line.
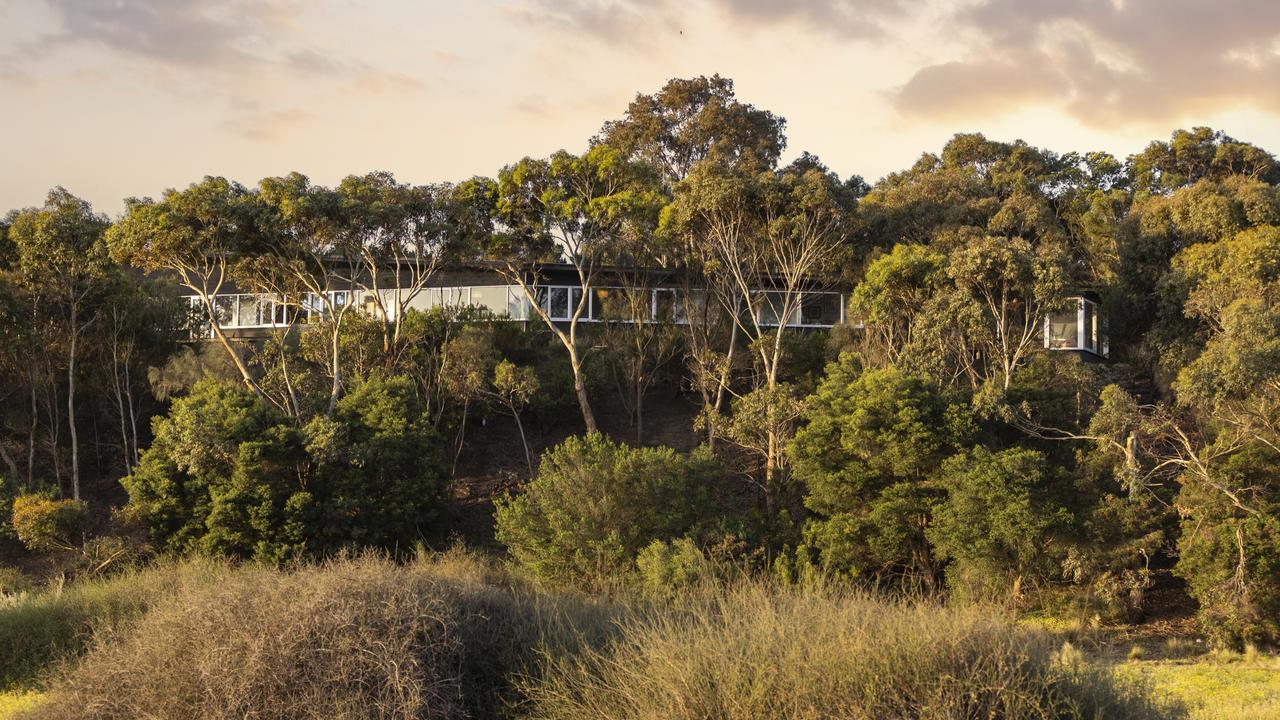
(667,568)
(866,454)
(1229,551)
(228,474)
(43,524)
(1001,524)
(596,504)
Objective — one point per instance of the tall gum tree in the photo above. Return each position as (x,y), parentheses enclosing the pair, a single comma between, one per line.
(684,123)
(568,208)
(60,247)
(197,235)
(784,231)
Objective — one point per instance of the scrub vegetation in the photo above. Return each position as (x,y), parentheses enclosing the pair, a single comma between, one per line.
(787,444)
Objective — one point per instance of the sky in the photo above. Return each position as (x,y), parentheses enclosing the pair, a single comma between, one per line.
(122,98)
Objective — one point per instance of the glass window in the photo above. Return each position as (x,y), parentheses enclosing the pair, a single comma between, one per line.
(246,311)
(1064,328)
(770,306)
(602,303)
(555,303)
(1090,327)
(575,297)
(822,309)
(517,304)
(496,299)
(665,307)
(224,307)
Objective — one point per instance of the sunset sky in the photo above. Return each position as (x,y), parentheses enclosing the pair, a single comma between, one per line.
(116,98)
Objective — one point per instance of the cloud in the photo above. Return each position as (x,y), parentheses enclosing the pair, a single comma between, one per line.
(1107,63)
(253,56)
(184,32)
(269,127)
(640,22)
(843,18)
(629,21)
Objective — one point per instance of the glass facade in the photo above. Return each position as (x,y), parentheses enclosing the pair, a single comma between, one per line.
(1078,326)
(250,310)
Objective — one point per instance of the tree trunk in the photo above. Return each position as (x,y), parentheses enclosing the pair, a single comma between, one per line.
(9,462)
(462,436)
(31,436)
(528,458)
(235,357)
(639,413)
(133,416)
(71,407)
(115,384)
(580,389)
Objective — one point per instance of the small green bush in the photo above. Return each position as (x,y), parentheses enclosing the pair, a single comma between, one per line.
(44,524)
(669,568)
(595,504)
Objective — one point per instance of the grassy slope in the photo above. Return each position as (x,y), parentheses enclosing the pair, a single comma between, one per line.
(1213,687)
(466,635)
(13,702)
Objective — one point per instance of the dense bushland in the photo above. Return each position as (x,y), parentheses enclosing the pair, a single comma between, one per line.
(451,637)
(929,443)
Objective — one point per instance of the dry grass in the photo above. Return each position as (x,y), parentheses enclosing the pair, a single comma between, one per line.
(39,630)
(453,636)
(351,638)
(758,651)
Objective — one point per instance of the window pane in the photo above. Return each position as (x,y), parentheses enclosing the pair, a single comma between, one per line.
(820,309)
(1090,329)
(1062,329)
(665,306)
(602,304)
(770,304)
(495,299)
(558,303)
(224,309)
(575,297)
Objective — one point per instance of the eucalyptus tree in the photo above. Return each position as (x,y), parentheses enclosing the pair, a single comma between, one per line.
(398,230)
(764,238)
(690,120)
(198,236)
(568,208)
(60,248)
(305,258)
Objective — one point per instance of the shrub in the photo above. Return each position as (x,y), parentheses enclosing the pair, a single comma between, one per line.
(44,524)
(360,637)
(757,651)
(1230,557)
(669,568)
(999,522)
(871,443)
(14,582)
(595,504)
(227,474)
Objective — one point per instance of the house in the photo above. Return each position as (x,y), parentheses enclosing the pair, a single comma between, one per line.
(557,291)
(1078,328)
